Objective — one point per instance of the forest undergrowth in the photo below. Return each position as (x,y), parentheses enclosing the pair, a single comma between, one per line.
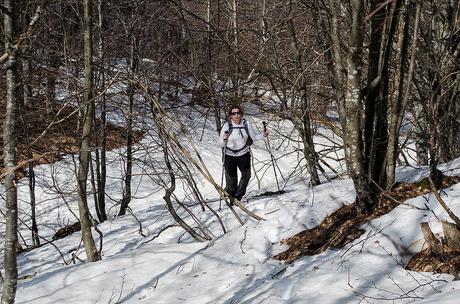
(50,133)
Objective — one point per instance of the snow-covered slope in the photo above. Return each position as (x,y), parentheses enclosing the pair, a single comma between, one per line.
(236,267)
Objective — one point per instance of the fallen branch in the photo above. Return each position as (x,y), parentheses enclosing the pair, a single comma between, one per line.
(443,204)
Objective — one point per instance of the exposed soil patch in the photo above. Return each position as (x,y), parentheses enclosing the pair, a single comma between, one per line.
(67,230)
(342,226)
(61,136)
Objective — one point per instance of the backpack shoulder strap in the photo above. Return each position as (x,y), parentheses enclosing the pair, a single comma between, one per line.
(230,127)
(245,124)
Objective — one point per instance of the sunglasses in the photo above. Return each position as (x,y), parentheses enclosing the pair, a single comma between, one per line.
(235,113)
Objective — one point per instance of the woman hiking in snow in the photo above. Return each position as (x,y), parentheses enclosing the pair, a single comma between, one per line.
(236,136)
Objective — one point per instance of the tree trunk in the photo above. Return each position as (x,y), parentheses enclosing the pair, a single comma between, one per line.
(374,105)
(101,163)
(9,155)
(421,135)
(54,63)
(237,66)
(353,110)
(396,100)
(31,163)
(209,44)
(85,148)
(433,243)
(264,23)
(129,127)
(452,235)
(377,92)
(26,77)
(339,68)
(24,133)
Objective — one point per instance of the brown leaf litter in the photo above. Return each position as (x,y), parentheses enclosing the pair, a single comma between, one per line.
(343,227)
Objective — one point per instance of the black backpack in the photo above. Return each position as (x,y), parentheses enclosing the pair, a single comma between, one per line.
(249,141)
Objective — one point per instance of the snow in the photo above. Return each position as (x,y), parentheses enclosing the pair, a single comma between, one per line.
(235,267)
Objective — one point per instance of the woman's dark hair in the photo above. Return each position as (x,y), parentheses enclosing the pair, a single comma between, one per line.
(232,107)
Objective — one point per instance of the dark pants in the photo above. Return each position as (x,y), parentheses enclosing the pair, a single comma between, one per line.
(233,163)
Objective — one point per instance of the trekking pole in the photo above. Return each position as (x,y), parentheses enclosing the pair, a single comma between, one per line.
(271,156)
(223,169)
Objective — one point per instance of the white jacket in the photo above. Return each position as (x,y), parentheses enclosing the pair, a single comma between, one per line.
(238,137)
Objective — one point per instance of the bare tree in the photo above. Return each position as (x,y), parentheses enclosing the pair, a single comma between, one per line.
(437,81)
(363,99)
(132,69)
(101,136)
(301,83)
(85,148)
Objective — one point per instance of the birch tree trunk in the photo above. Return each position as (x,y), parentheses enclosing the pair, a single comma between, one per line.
(237,67)
(9,154)
(209,48)
(85,150)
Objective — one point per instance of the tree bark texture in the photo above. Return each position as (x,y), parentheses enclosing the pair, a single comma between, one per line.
(85,149)
(396,100)
(237,95)
(9,154)
(382,30)
(375,126)
(353,109)
(433,243)
(452,235)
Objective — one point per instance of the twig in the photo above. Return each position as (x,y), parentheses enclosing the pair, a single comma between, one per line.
(393,199)
(348,276)
(404,203)
(159,232)
(369,235)
(242,241)
(137,220)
